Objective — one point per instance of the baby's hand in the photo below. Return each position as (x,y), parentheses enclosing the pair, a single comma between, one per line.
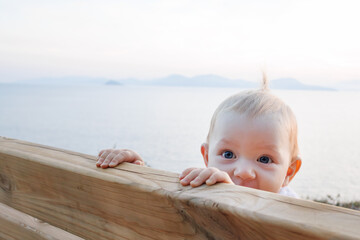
(113,157)
(197,176)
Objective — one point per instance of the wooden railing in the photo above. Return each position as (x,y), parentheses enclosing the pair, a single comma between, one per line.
(50,193)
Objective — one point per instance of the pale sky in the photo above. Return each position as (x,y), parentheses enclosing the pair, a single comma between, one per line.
(316,42)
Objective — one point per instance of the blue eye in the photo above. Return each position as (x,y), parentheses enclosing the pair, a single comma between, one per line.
(264,159)
(228,154)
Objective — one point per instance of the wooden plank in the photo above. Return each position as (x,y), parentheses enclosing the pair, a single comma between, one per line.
(18,225)
(66,190)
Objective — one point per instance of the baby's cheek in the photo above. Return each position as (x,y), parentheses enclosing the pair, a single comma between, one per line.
(270,181)
(218,164)
(212,162)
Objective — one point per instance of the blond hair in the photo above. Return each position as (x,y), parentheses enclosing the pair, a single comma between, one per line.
(256,103)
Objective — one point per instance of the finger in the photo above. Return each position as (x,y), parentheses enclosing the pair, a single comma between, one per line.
(107,160)
(128,156)
(102,156)
(201,178)
(218,177)
(125,156)
(139,162)
(191,176)
(117,158)
(101,152)
(133,157)
(185,172)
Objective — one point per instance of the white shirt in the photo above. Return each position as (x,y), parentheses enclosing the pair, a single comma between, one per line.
(286,191)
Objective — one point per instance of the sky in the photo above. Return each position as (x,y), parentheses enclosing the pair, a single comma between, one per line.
(314,41)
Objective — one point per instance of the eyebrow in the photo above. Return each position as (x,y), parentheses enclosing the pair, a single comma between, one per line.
(269,146)
(224,141)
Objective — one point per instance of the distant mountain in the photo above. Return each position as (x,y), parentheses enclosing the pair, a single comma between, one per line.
(293,84)
(202,81)
(218,81)
(353,85)
(113,83)
(180,80)
(69,80)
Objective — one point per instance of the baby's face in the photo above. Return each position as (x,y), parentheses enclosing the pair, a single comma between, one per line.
(254,152)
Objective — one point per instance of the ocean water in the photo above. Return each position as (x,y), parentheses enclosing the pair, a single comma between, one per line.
(167,125)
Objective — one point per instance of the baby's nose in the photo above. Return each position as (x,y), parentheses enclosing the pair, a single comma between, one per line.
(245,171)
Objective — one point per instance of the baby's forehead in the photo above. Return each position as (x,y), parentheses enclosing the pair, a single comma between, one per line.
(241,132)
(231,122)
(273,118)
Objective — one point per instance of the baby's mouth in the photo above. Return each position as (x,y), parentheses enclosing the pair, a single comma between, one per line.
(245,183)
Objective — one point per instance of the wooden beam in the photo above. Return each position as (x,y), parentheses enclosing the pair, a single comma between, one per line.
(66,190)
(18,225)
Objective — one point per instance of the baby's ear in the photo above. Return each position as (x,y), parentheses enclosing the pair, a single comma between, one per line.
(204,152)
(292,170)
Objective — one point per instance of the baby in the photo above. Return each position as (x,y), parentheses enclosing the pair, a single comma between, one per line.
(252,142)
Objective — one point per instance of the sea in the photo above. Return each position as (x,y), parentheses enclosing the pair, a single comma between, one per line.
(167,125)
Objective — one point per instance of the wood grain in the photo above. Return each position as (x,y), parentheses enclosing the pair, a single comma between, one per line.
(18,225)
(66,190)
